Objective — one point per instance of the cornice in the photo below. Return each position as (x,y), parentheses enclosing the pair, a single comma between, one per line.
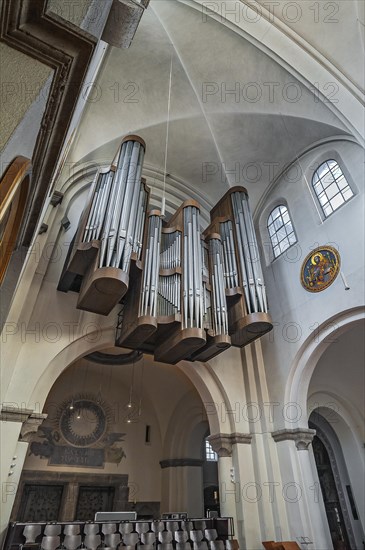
(303,437)
(222,443)
(177,462)
(30,420)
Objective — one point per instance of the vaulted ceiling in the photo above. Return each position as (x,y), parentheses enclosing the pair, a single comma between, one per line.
(240,112)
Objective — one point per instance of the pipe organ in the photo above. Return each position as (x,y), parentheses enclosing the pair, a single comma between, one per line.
(183,294)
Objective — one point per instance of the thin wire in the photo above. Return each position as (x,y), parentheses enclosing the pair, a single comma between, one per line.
(302,171)
(131,388)
(167,139)
(140,396)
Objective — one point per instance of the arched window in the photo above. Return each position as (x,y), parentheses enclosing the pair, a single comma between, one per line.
(331,187)
(281,230)
(209,453)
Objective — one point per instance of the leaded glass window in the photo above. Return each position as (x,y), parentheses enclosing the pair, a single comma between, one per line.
(331,187)
(281,230)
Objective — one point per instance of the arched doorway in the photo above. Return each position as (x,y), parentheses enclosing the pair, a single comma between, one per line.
(332,489)
(335,397)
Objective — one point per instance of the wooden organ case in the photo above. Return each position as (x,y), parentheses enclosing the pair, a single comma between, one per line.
(184,294)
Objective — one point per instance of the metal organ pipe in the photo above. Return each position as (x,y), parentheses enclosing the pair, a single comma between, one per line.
(140,220)
(177,302)
(150,284)
(114,206)
(121,254)
(90,222)
(248,254)
(219,305)
(193,270)
(123,208)
(230,265)
(169,285)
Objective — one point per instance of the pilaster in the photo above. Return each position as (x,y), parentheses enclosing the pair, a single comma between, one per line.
(16,427)
(301,489)
(182,482)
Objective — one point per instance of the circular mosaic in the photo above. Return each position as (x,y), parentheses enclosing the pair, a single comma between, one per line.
(320,268)
(83,424)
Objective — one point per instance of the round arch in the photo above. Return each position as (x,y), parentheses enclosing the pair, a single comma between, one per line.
(296,390)
(336,431)
(201,378)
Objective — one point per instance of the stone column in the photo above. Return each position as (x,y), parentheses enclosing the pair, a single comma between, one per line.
(260,473)
(16,429)
(232,449)
(301,490)
(182,486)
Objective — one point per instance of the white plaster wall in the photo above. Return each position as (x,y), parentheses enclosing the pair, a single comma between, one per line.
(111,383)
(297,313)
(319,24)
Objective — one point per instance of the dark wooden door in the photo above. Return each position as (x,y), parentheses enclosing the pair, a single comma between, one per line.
(93,499)
(40,503)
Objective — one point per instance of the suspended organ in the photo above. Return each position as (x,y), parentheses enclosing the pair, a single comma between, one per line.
(184,294)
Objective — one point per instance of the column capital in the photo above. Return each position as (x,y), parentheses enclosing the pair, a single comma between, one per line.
(31,425)
(222,443)
(30,420)
(303,437)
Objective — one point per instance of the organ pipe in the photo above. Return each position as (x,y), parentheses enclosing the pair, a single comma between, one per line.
(185,294)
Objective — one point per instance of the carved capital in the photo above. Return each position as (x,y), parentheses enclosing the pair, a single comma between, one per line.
(222,443)
(303,437)
(30,420)
(31,425)
(57,198)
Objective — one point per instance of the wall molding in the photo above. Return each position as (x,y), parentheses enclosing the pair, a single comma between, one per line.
(302,437)
(68,50)
(222,443)
(178,462)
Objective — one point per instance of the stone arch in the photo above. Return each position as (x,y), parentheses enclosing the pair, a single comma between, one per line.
(338,434)
(307,357)
(202,379)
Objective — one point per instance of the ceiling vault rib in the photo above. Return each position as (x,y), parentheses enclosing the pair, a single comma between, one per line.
(196,92)
(313,67)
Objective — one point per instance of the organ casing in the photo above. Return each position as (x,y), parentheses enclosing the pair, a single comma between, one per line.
(183,293)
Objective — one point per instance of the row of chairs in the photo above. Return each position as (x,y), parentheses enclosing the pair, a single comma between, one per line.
(93,542)
(93,539)
(32,531)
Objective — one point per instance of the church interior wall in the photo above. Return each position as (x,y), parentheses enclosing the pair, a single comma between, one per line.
(299,314)
(46,340)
